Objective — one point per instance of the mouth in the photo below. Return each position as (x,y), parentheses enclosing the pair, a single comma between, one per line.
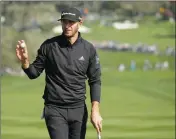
(67,30)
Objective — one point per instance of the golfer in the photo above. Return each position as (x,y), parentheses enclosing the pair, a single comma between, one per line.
(68,60)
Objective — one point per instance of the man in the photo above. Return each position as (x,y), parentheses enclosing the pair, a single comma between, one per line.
(68,60)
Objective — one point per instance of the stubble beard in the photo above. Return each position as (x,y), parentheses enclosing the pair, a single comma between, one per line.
(72,34)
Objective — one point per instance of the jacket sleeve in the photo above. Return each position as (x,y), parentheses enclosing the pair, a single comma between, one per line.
(94,76)
(38,65)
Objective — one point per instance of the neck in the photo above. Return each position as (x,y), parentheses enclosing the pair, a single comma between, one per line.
(73,38)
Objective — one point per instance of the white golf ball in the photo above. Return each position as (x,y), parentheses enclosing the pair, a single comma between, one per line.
(23,45)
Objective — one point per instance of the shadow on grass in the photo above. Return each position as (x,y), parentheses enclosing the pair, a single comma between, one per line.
(165,36)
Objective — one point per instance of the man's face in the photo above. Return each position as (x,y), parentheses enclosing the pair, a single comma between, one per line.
(70,28)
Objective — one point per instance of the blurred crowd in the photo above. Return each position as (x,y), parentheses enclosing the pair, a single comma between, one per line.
(137,48)
(147,65)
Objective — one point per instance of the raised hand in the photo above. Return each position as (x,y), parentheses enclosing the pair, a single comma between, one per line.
(22,53)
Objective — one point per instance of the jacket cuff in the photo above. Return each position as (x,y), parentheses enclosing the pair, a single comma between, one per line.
(95,92)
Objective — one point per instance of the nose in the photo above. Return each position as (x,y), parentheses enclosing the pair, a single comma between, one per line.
(67,25)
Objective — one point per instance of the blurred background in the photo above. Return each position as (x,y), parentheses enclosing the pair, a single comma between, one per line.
(136,45)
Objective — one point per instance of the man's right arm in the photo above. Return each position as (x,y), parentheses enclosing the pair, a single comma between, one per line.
(35,69)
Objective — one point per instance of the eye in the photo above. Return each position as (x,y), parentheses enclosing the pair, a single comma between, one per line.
(71,22)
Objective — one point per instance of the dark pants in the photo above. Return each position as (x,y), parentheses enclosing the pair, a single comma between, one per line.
(66,123)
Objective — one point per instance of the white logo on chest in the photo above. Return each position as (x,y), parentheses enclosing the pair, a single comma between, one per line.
(81,58)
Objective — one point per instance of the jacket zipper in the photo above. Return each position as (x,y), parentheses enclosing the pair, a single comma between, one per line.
(69,55)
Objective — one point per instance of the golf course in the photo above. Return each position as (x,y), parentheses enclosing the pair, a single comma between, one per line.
(134,105)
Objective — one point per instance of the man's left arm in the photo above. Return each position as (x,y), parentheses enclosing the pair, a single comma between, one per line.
(94,75)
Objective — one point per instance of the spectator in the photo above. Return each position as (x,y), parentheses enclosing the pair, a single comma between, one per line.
(121,67)
(147,65)
(133,65)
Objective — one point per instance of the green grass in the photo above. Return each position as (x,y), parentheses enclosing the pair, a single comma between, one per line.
(146,33)
(113,59)
(135,105)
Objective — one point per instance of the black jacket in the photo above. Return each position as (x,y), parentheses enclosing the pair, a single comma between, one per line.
(67,67)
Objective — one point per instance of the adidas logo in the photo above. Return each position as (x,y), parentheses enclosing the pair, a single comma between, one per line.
(81,58)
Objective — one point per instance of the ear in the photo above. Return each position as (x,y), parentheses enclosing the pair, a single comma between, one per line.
(80,23)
